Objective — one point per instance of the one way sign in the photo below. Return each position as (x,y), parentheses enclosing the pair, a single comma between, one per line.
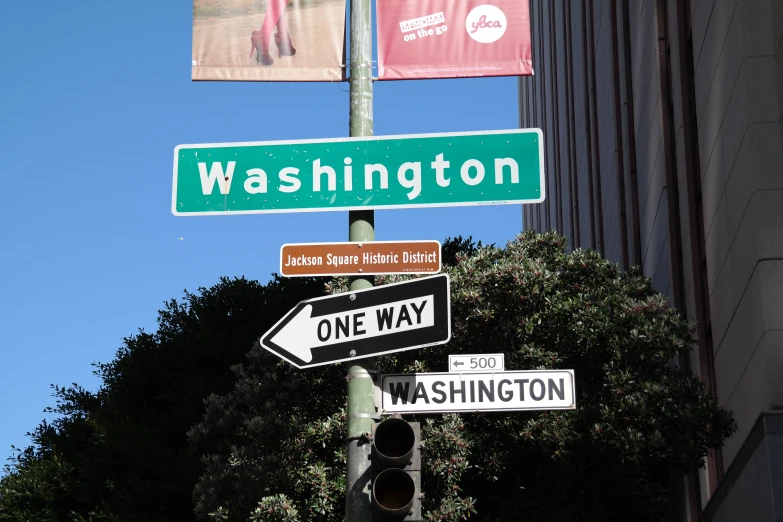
(376,321)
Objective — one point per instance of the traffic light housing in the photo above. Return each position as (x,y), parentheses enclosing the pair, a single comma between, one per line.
(396,470)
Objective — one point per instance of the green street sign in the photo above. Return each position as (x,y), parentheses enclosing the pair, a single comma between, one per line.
(427,170)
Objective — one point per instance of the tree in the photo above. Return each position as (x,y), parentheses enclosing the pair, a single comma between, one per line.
(121,453)
(455,247)
(273,446)
(271,436)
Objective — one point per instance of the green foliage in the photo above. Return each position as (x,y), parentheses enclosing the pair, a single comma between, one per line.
(445,460)
(455,247)
(178,422)
(280,431)
(277,508)
(121,453)
(638,416)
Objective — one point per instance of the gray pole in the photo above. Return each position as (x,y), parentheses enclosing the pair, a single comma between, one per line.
(361,227)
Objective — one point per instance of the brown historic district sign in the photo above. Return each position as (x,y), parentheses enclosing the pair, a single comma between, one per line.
(375,257)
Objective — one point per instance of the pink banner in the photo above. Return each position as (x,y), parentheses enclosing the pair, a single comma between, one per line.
(453,38)
(269,40)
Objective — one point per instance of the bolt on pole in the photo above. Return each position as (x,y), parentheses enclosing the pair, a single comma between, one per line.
(361,227)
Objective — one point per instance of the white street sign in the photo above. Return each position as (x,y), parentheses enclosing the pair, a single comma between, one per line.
(487,391)
(480,362)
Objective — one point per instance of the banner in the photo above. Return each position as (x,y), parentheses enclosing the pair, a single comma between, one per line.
(453,38)
(269,40)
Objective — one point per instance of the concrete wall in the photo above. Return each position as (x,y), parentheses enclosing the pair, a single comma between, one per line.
(736,48)
(753,487)
(738,95)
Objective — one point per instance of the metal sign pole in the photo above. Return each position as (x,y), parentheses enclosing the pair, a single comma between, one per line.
(361,227)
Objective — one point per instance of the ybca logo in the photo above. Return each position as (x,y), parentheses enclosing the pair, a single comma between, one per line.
(485,23)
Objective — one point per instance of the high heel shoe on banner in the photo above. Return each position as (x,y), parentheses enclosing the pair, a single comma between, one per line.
(261,46)
(284,47)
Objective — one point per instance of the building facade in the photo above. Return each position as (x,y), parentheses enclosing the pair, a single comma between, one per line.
(663,135)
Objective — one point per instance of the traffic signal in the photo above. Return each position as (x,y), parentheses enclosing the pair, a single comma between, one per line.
(396,470)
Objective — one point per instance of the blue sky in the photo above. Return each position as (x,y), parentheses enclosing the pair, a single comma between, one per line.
(94,97)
